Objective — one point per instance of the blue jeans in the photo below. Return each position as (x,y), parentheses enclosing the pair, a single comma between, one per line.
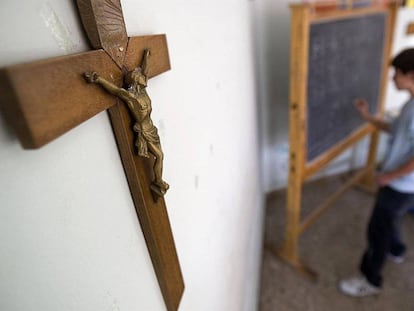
(384,232)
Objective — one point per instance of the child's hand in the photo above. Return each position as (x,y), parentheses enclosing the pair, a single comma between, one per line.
(383,179)
(362,106)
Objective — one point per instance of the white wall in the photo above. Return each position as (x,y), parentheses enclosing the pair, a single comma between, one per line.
(273,39)
(395,98)
(272,22)
(70,239)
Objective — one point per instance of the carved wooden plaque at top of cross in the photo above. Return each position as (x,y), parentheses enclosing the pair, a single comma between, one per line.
(45,99)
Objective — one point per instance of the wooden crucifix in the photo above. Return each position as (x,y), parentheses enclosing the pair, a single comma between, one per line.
(45,99)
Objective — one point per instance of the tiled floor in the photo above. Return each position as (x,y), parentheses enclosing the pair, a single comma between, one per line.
(332,247)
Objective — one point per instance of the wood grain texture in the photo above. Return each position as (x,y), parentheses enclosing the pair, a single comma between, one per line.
(151,212)
(45,99)
(297,130)
(104,25)
(159,60)
(325,15)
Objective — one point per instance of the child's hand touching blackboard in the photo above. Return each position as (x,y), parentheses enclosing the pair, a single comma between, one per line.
(362,106)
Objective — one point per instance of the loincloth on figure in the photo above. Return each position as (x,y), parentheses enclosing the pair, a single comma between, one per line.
(143,137)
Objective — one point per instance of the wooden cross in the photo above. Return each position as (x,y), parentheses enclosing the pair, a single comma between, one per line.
(45,99)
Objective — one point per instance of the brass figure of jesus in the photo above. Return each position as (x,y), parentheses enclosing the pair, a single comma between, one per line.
(136,98)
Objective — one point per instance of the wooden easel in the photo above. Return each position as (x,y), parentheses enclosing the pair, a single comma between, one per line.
(45,99)
(303,15)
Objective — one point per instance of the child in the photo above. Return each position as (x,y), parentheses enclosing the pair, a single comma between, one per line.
(396,180)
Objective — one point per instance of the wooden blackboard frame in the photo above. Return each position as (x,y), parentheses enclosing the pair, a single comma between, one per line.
(303,16)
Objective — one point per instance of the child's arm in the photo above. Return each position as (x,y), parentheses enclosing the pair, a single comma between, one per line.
(362,106)
(384,179)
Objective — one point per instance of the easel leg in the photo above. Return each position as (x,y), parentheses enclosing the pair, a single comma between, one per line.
(289,252)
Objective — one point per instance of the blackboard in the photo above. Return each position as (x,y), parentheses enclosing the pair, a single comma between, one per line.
(345,62)
(336,55)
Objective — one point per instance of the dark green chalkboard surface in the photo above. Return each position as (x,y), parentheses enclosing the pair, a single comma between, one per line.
(345,62)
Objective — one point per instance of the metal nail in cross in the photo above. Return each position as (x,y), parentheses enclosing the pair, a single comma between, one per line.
(120,66)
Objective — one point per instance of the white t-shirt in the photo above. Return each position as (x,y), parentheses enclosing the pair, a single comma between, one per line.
(401,148)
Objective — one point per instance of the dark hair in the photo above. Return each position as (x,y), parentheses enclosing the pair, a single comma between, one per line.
(404,61)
